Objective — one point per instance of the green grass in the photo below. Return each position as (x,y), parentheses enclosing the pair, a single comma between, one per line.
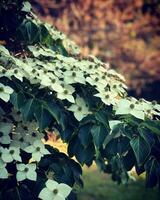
(99,186)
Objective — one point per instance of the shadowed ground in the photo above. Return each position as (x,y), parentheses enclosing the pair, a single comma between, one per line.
(98,186)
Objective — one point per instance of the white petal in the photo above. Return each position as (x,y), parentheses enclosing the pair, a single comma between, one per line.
(78,115)
(32,175)
(64,189)
(138,114)
(59,197)
(4,96)
(30,149)
(73,108)
(20,167)
(6,157)
(37,156)
(5,139)
(51,184)
(3,173)
(20,176)
(8,90)
(46,194)
(70,98)
(17,157)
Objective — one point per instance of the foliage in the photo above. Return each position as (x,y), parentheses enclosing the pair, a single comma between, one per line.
(45,86)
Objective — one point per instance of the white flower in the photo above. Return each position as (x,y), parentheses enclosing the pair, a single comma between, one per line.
(16,115)
(108,98)
(95,80)
(55,191)
(37,51)
(66,93)
(8,155)
(18,73)
(5,129)
(118,87)
(126,106)
(51,81)
(80,108)
(5,92)
(18,140)
(37,149)
(74,77)
(3,171)
(112,72)
(26,172)
(32,136)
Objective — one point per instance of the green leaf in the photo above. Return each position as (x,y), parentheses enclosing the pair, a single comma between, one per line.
(116,131)
(17,99)
(43,117)
(28,109)
(83,154)
(152,167)
(153,125)
(141,149)
(99,133)
(84,135)
(28,31)
(53,109)
(147,136)
(102,117)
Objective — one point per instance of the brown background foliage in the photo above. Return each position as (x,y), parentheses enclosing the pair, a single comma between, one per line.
(124,32)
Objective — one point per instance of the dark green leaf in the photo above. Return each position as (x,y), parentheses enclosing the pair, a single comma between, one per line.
(152,167)
(43,117)
(99,133)
(29,108)
(84,135)
(141,149)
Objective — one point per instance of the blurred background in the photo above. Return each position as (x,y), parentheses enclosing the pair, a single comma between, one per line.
(125,33)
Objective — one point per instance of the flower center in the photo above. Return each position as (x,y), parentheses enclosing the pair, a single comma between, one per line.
(45,71)
(107,96)
(21,139)
(34,134)
(1,134)
(65,92)
(33,71)
(11,152)
(103,77)
(90,66)
(74,74)
(132,106)
(96,79)
(79,108)
(114,86)
(3,71)
(53,80)
(55,191)
(106,89)
(38,149)
(15,71)
(1,89)
(26,169)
